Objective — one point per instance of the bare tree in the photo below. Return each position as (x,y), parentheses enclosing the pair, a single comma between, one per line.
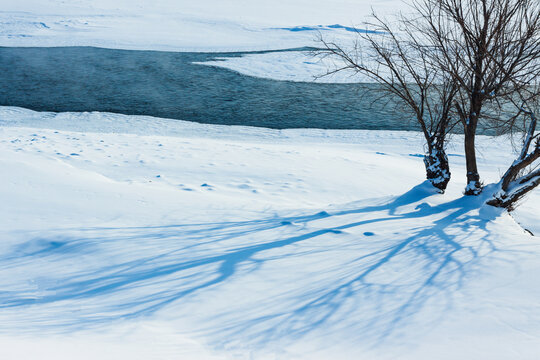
(401,64)
(490,48)
(474,53)
(460,59)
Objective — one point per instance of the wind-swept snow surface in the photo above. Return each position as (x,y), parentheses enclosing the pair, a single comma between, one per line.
(141,238)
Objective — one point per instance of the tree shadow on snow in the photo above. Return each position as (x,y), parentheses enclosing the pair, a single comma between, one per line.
(375,290)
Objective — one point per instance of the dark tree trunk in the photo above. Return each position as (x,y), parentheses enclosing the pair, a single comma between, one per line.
(508,198)
(514,185)
(437,167)
(474,186)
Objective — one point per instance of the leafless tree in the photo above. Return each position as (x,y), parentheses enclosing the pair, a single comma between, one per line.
(491,49)
(400,63)
(465,58)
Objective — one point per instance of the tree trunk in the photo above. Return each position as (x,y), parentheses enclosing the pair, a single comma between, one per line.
(514,185)
(474,186)
(516,190)
(437,168)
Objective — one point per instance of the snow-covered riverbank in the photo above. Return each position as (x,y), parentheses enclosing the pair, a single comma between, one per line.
(207,25)
(201,26)
(135,237)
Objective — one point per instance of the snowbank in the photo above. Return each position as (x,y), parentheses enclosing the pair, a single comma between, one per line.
(136,237)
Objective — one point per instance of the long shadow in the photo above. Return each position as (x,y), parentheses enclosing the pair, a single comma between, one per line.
(442,259)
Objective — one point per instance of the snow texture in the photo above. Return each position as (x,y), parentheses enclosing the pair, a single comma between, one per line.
(143,238)
(129,237)
(298,66)
(181,25)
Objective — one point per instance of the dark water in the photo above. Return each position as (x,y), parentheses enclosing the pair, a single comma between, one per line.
(167,84)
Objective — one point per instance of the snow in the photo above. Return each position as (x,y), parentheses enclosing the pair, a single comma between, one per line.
(181,25)
(206,25)
(132,237)
(298,66)
(209,25)
(144,238)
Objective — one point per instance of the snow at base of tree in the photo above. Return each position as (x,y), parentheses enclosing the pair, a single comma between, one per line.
(130,237)
(473,188)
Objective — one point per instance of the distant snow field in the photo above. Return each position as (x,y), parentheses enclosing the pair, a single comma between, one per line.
(183,25)
(143,238)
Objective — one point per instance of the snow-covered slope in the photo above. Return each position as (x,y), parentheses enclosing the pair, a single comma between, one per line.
(143,238)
